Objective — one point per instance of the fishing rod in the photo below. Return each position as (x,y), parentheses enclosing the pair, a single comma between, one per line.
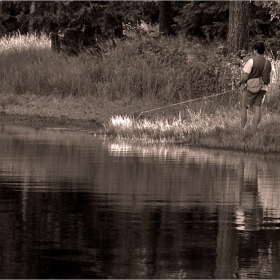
(183,102)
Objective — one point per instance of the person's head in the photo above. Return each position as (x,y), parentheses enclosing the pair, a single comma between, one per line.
(259,47)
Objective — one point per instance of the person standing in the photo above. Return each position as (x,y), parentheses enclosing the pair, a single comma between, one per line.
(255,67)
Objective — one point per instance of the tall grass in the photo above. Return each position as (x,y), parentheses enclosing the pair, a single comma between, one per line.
(201,129)
(161,69)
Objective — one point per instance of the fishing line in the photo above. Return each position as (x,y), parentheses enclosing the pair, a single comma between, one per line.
(183,102)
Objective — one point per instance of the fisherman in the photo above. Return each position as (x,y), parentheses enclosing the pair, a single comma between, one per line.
(255,67)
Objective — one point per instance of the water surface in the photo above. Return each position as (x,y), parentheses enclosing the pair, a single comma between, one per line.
(74,205)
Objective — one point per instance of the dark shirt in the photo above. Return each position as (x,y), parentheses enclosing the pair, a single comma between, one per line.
(258,69)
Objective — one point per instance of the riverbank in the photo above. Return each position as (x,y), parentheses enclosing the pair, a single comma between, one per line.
(219,130)
(37,121)
(62,112)
(217,127)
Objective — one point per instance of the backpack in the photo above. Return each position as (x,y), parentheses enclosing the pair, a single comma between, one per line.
(254,85)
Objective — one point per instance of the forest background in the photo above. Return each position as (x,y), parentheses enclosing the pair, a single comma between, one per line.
(109,61)
(78,24)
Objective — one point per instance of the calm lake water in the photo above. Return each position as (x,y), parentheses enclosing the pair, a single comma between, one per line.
(75,205)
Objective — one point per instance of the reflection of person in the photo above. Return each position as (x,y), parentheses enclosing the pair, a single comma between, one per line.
(255,67)
(249,212)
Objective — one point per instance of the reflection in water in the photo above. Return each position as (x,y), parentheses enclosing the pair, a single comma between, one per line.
(77,206)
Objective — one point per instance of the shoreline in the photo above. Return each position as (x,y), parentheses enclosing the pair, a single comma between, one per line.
(45,122)
(93,126)
(91,117)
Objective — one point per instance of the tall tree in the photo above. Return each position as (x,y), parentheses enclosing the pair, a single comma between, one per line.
(1,19)
(113,19)
(165,18)
(239,19)
(31,17)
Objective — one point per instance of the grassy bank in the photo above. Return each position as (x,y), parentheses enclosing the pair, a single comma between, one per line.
(135,76)
(200,129)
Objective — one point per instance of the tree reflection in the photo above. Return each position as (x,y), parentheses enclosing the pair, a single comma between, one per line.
(257,246)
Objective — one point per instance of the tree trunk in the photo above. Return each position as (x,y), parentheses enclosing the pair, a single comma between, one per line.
(72,41)
(1,12)
(238,31)
(55,43)
(31,19)
(113,26)
(165,18)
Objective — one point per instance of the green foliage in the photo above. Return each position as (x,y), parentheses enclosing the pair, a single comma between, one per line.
(64,15)
(52,15)
(209,19)
(12,17)
(197,69)
(273,7)
(204,19)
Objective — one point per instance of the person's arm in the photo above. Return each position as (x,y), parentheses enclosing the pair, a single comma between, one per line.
(243,79)
(247,70)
